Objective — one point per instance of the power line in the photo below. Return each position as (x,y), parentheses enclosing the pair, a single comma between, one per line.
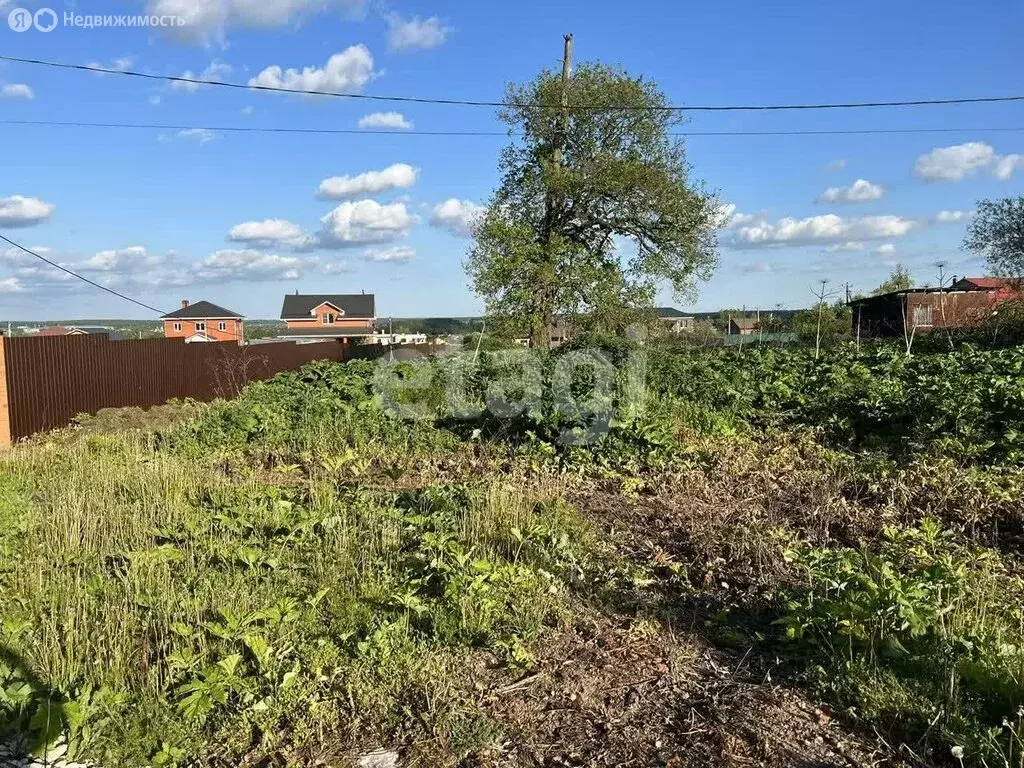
(30,252)
(364,131)
(478,103)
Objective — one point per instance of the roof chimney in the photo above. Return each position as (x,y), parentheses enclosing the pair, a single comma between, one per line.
(363,291)
(184,303)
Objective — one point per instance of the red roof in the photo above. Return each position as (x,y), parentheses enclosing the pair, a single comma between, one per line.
(988,282)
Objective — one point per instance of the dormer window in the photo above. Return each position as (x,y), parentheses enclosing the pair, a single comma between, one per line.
(327,318)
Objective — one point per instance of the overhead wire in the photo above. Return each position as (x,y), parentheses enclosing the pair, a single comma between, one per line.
(256,86)
(71,272)
(252,86)
(365,131)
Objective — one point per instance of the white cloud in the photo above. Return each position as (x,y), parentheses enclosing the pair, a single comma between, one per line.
(123,259)
(385,120)
(11,284)
(202,135)
(118,65)
(1006,165)
(827,228)
(155,99)
(399,254)
(397,176)
(963,160)
(270,232)
(861,191)
(415,33)
(845,247)
(206,20)
(247,110)
(345,72)
(950,217)
(17,257)
(135,268)
(457,216)
(839,164)
(17,91)
(247,264)
(885,248)
(730,218)
(335,267)
(215,70)
(364,222)
(20,211)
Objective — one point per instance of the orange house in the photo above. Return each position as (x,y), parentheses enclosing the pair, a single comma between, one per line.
(203,321)
(328,316)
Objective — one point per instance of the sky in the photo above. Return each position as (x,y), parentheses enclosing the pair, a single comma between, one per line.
(189,210)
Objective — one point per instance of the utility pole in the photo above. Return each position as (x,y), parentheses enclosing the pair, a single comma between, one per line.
(820,295)
(543,314)
(566,74)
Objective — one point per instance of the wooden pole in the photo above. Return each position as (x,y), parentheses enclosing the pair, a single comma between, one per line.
(566,74)
(5,410)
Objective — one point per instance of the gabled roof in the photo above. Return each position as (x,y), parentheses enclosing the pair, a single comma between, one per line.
(299,306)
(669,312)
(202,310)
(744,322)
(97,330)
(991,283)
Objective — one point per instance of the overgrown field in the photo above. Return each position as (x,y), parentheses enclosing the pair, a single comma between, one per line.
(727,558)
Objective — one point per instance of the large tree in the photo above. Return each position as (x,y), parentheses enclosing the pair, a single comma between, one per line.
(997,233)
(595,208)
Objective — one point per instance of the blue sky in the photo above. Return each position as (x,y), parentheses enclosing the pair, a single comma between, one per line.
(241,219)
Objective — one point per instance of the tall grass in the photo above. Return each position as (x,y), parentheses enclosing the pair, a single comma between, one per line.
(139,572)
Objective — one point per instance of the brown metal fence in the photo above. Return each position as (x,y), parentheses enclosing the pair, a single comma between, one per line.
(46,381)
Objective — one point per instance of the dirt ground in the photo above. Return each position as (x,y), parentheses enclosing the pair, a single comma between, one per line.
(607,694)
(646,683)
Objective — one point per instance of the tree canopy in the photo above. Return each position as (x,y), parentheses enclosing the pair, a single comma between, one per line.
(997,233)
(898,280)
(593,236)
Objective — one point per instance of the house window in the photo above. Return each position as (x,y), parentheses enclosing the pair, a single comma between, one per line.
(177,326)
(327,318)
(200,325)
(222,326)
(922,314)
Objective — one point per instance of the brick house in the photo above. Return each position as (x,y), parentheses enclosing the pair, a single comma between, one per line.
(316,317)
(922,310)
(203,321)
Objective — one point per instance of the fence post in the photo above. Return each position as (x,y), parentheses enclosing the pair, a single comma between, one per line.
(5,411)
